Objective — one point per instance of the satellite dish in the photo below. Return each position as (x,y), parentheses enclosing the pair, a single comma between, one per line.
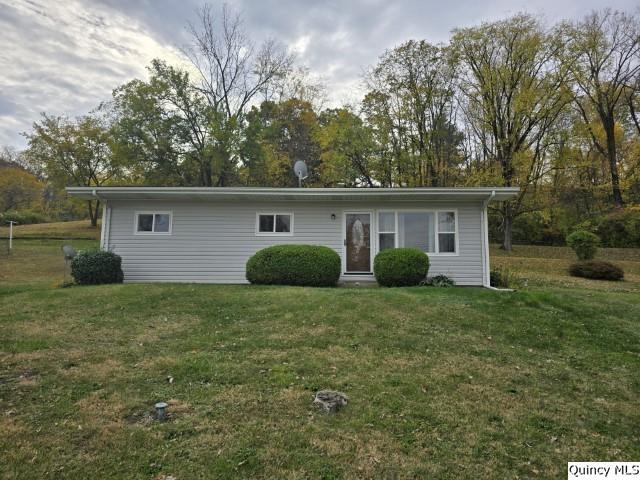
(301,171)
(69,252)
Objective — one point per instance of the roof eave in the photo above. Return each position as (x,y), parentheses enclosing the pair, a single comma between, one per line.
(159,193)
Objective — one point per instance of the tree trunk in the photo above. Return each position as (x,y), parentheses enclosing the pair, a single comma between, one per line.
(93,212)
(613,164)
(508,213)
(507,216)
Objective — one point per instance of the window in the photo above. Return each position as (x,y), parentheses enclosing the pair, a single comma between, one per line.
(431,232)
(386,230)
(153,222)
(446,232)
(275,224)
(416,230)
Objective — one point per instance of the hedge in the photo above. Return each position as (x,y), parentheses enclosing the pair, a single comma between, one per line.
(400,267)
(303,265)
(96,267)
(596,270)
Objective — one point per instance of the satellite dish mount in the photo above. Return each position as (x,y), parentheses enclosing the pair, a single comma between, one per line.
(301,171)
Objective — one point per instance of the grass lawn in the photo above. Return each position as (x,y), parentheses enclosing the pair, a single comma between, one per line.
(80,229)
(444,383)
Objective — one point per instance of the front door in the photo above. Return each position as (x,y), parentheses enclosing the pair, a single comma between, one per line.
(357,242)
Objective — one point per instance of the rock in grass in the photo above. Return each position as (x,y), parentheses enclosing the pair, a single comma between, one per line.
(330,401)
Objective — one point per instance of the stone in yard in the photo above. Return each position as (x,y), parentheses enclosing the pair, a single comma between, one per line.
(330,401)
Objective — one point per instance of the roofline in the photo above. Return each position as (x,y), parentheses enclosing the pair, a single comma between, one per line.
(306,192)
(284,194)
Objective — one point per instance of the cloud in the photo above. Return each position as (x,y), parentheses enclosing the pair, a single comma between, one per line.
(66,57)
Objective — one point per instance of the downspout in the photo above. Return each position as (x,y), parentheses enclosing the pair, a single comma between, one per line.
(485,240)
(106,221)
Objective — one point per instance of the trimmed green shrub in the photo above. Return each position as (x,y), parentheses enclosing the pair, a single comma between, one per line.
(584,243)
(441,281)
(304,265)
(401,267)
(96,267)
(596,270)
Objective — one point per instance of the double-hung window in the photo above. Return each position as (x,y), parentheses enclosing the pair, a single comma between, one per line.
(432,232)
(386,230)
(153,222)
(447,232)
(274,224)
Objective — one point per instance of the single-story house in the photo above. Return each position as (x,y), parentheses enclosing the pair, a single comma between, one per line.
(176,234)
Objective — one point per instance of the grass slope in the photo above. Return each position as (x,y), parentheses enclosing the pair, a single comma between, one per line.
(444,383)
(80,229)
(543,266)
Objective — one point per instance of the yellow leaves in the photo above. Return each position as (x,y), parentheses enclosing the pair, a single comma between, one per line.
(19,189)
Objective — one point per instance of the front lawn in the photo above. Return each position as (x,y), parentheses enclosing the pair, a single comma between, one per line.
(444,383)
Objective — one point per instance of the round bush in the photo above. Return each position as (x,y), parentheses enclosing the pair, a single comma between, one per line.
(96,267)
(400,267)
(304,265)
(584,243)
(596,270)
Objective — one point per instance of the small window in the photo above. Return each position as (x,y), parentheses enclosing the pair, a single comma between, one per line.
(151,222)
(275,224)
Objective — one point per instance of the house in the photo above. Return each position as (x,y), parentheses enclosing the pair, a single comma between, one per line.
(175,234)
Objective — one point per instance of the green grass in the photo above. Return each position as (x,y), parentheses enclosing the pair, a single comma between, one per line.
(80,229)
(443,383)
(544,266)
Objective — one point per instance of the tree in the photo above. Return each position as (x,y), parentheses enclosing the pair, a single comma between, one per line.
(166,131)
(301,85)
(276,135)
(10,157)
(603,57)
(388,138)
(347,150)
(19,189)
(232,72)
(73,153)
(513,90)
(417,82)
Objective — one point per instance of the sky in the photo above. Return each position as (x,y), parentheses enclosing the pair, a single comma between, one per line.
(64,57)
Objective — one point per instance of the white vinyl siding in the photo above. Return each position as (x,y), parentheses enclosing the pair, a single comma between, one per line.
(212,241)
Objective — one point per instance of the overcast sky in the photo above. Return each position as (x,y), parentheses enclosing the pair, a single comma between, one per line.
(66,56)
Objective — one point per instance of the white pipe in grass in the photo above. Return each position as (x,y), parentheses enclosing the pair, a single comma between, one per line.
(11,223)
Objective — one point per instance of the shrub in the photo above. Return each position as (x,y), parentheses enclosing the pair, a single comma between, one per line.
(584,243)
(400,267)
(620,228)
(25,217)
(305,265)
(441,281)
(596,270)
(504,278)
(95,267)
(538,228)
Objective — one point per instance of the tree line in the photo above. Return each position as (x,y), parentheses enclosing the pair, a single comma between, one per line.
(553,109)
